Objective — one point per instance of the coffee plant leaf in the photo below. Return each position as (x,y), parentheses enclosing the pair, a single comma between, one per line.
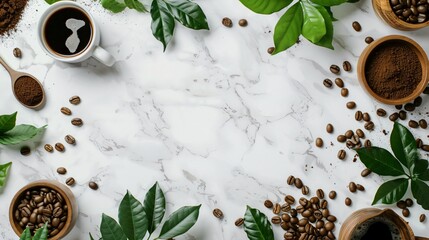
(26,234)
(110,229)
(288,28)
(7,122)
(314,27)
(20,134)
(420,192)
(257,226)
(113,5)
(403,145)
(4,171)
(154,206)
(136,5)
(391,191)
(329,3)
(326,41)
(42,233)
(380,161)
(420,166)
(180,222)
(189,14)
(162,22)
(266,6)
(132,217)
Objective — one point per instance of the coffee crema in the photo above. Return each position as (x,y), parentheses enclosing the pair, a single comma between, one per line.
(379,228)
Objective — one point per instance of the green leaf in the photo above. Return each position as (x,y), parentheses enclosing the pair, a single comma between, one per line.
(391,191)
(135,4)
(266,6)
(326,41)
(20,134)
(154,206)
(189,14)
(329,3)
(113,5)
(51,1)
(7,122)
(132,217)
(420,192)
(257,226)
(4,169)
(328,9)
(403,145)
(180,222)
(288,28)
(162,22)
(420,166)
(314,25)
(41,233)
(110,229)
(424,175)
(380,161)
(26,234)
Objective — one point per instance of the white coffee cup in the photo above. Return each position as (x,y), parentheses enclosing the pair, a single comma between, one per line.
(92,49)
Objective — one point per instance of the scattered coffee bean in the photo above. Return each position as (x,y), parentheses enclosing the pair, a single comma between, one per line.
(409,107)
(409,202)
(286,207)
(351,105)
(305,190)
(356,26)
(49,148)
(61,170)
(401,204)
(394,116)
(341,138)
(77,122)
(329,128)
(399,107)
(348,201)
(365,172)
(290,199)
(422,217)
(369,126)
(419,142)
(334,69)
(344,92)
(227,22)
(327,83)
(17,53)
(239,222)
(358,116)
(70,139)
(25,151)
(418,101)
(423,124)
(218,213)
(366,117)
(320,193)
(93,185)
(352,187)
(413,124)
(268,204)
(360,187)
(339,82)
(341,154)
(298,183)
(332,194)
(347,66)
(369,40)
(381,112)
(75,100)
(290,180)
(70,181)
(276,208)
(276,220)
(402,115)
(406,212)
(242,22)
(60,147)
(360,133)
(367,143)
(425,148)
(319,142)
(66,111)
(270,50)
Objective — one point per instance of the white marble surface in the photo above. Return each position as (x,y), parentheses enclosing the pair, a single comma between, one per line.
(215,119)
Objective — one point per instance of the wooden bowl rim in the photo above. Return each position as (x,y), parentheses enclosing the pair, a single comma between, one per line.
(67,195)
(410,26)
(419,51)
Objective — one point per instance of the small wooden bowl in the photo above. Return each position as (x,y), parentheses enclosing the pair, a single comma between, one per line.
(422,58)
(383,9)
(65,192)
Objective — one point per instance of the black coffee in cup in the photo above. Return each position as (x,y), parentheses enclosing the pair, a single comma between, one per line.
(67,31)
(378,228)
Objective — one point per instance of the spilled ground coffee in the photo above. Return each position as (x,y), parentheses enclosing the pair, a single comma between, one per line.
(10,14)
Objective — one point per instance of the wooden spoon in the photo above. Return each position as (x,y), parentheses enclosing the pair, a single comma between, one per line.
(21,76)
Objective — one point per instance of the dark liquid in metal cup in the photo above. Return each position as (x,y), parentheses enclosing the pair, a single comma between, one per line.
(56,32)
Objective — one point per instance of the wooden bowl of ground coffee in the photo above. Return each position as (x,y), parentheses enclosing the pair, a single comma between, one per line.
(393,69)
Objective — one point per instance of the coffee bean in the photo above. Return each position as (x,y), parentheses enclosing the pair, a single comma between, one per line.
(319,142)
(305,190)
(347,66)
(66,111)
(303,201)
(394,116)
(70,139)
(358,116)
(423,124)
(329,226)
(17,53)
(218,213)
(339,82)
(366,117)
(227,22)
(344,92)
(341,138)
(268,204)
(289,199)
(360,187)
(290,180)
(329,128)
(270,50)
(381,112)
(242,22)
(25,151)
(60,147)
(418,101)
(352,187)
(351,105)
(327,83)
(320,193)
(406,212)
(93,185)
(369,126)
(365,172)
(61,170)
(298,183)
(356,26)
(360,133)
(422,217)
(401,204)
(70,181)
(426,91)
(348,201)
(332,194)
(419,142)
(349,134)
(341,154)
(276,208)
(409,107)
(239,222)
(402,115)
(409,202)
(399,107)
(75,100)
(369,40)
(48,148)
(425,148)
(276,220)
(413,124)
(286,207)
(334,69)
(367,143)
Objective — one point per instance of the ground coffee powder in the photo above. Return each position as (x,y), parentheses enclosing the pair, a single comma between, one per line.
(28,91)
(10,14)
(393,70)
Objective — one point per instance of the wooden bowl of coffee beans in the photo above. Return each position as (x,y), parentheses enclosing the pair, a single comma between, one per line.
(40,202)
(404,15)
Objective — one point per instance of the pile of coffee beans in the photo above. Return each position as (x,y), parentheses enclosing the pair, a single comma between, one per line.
(411,11)
(297,182)
(39,206)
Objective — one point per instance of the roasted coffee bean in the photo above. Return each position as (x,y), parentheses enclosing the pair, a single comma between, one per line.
(289,236)
(350,144)
(413,124)
(218,213)
(394,116)
(75,100)
(277,208)
(341,138)
(290,180)
(369,126)
(286,217)
(270,50)
(319,142)
(70,181)
(329,128)
(344,92)
(399,107)
(352,187)
(367,143)
(303,201)
(290,199)
(426,91)
(294,220)
(425,148)
(239,222)
(268,204)
(329,226)
(323,203)
(49,148)
(406,212)
(348,134)
(57,212)
(17,53)
(314,200)
(419,142)
(293,213)
(60,147)
(422,217)
(70,139)
(305,190)
(360,133)
(409,202)
(298,183)
(300,209)
(402,115)
(356,26)
(423,124)
(66,111)
(409,107)
(242,23)
(325,213)
(339,82)
(369,40)
(25,151)
(351,105)
(77,122)
(348,201)
(320,224)
(334,69)
(365,172)
(327,83)
(276,220)
(332,194)
(360,187)
(358,116)
(227,22)
(93,185)
(303,222)
(341,154)
(418,101)
(347,66)
(61,170)
(285,207)
(381,112)
(366,117)
(306,213)
(320,193)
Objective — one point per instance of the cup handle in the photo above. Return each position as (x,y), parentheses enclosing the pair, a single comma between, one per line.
(103,56)
(421,238)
